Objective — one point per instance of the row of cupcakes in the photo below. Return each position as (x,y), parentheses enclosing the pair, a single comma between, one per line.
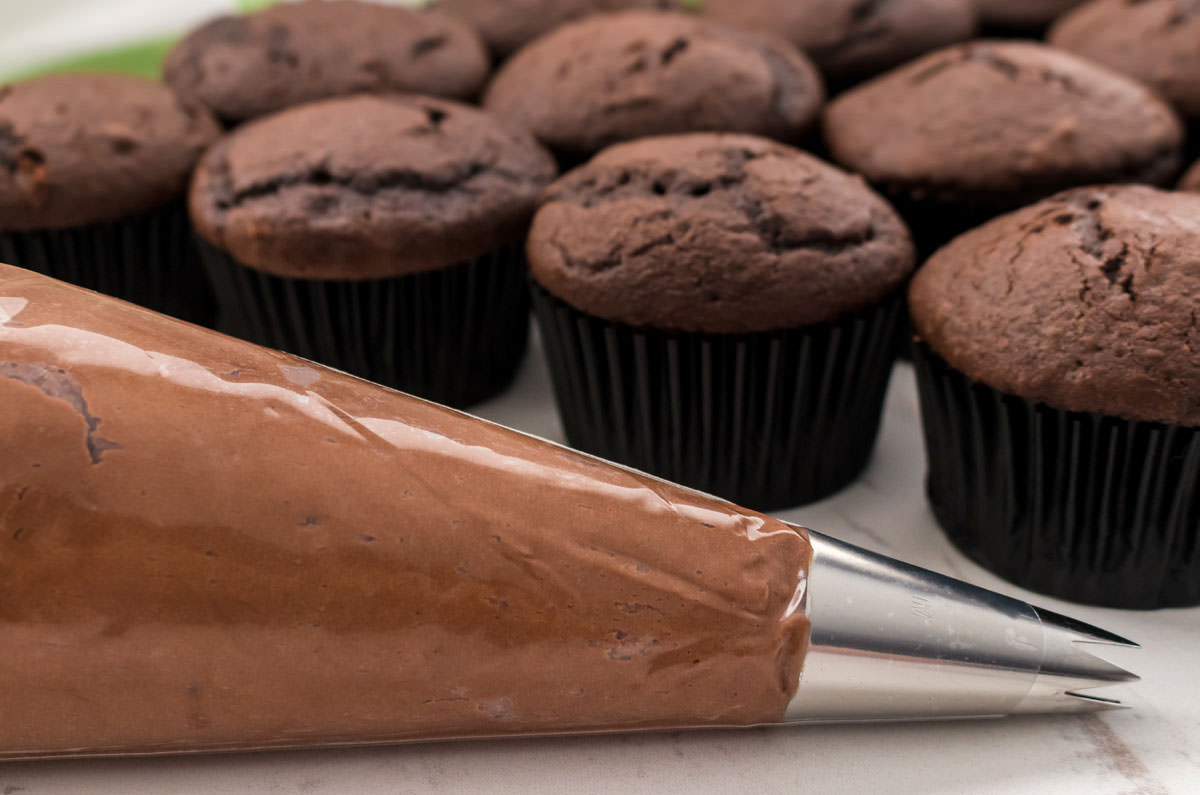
(952,138)
(334,48)
(715,307)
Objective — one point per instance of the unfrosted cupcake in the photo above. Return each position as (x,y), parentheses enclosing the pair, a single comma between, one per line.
(93,169)
(1154,41)
(246,66)
(966,133)
(721,310)
(378,234)
(618,77)
(508,25)
(1060,387)
(850,40)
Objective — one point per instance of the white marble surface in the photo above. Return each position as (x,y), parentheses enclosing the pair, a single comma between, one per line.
(1151,749)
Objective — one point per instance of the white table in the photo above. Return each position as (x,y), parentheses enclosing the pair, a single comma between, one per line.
(1151,749)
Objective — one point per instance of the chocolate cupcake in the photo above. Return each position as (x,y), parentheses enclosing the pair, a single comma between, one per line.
(508,25)
(93,169)
(969,132)
(242,67)
(617,77)
(1155,41)
(1028,17)
(1059,372)
(720,310)
(850,40)
(378,234)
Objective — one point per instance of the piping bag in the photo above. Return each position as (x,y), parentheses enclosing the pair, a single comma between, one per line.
(206,545)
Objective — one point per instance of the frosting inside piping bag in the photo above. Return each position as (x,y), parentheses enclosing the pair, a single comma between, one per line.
(207,545)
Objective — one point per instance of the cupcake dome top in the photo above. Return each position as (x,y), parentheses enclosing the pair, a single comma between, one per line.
(1156,41)
(1022,13)
(91,148)
(508,25)
(849,39)
(1003,123)
(247,66)
(716,234)
(368,187)
(615,77)
(1087,301)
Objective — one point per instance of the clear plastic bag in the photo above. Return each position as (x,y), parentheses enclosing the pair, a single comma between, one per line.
(206,545)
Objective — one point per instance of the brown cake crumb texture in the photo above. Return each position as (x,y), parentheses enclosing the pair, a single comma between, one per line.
(508,25)
(247,66)
(1155,41)
(1088,301)
(852,39)
(621,76)
(716,234)
(368,187)
(84,149)
(1003,123)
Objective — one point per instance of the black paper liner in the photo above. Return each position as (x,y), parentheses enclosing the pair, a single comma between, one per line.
(1084,507)
(768,420)
(932,226)
(149,259)
(1191,147)
(934,223)
(455,335)
(1001,32)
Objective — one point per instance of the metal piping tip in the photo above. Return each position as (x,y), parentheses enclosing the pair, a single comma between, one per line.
(1084,633)
(1069,667)
(1086,703)
(894,642)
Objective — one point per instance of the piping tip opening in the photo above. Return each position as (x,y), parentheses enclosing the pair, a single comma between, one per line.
(1085,633)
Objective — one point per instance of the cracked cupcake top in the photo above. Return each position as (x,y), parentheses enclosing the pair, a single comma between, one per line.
(84,149)
(368,187)
(852,39)
(615,77)
(247,66)
(1156,41)
(508,25)
(718,234)
(1088,301)
(1002,124)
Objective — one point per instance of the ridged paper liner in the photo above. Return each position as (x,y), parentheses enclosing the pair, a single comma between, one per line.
(768,420)
(1084,507)
(149,259)
(1191,144)
(455,335)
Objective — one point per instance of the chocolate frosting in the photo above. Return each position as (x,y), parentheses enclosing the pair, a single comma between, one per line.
(1086,301)
(208,545)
